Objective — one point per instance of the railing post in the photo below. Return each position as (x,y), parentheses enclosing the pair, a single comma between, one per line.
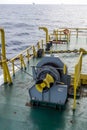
(22,62)
(34,52)
(60,35)
(77,76)
(6,73)
(38,45)
(42,43)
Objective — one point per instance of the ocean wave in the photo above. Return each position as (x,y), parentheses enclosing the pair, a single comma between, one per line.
(22,34)
(21,22)
(16,42)
(18,25)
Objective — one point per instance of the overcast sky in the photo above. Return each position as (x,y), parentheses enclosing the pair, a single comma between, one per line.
(43,1)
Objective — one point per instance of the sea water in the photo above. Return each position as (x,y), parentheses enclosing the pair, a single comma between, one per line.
(21,23)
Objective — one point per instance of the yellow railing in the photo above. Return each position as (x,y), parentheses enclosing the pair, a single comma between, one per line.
(3,60)
(77,76)
(73,32)
(78,31)
(60,33)
(20,58)
(25,56)
(57,33)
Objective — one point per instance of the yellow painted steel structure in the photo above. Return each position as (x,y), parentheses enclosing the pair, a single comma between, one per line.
(77,77)
(45,83)
(38,45)
(21,57)
(42,44)
(46,31)
(22,62)
(64,69)
(6,73)
(59,34)
(55,32)
(34,52)
(77,31)
(83,79)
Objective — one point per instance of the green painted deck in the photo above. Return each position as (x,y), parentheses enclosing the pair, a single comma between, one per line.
(15,115)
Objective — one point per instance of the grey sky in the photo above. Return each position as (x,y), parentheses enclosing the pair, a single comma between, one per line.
(43,1)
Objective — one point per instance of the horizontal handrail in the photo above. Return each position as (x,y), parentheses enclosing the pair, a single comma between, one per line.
(21,56)
(21,53)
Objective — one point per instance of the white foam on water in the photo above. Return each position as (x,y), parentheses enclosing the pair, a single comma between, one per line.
(1,79)
(1,76)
